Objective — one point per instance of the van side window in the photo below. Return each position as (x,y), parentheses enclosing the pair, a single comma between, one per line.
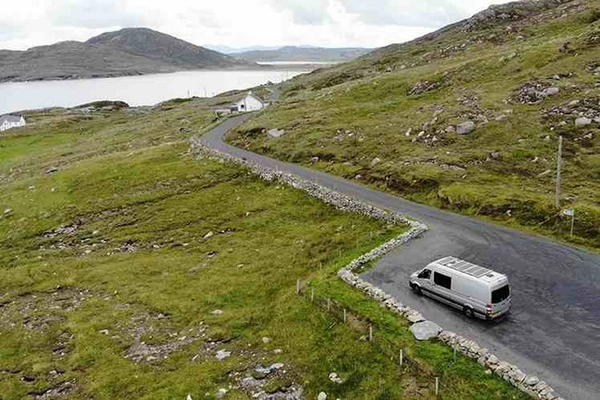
(442,280)
(425,274)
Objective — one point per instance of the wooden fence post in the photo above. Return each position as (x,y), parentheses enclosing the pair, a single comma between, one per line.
(328,304)
(370,332)
(401,357)
(312,295)
(345,316)
(297,286)
(437,385)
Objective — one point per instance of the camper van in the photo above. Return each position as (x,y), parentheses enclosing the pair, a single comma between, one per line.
(477,291)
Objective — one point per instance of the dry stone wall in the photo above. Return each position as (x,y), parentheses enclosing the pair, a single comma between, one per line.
(511,373)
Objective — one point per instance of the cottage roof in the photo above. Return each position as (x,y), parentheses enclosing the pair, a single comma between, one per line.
(9,118)
(244,95)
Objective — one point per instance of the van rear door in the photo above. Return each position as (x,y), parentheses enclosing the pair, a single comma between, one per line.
(500,300)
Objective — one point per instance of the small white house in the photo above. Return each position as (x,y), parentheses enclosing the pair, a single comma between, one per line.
(248,103)
(11,121)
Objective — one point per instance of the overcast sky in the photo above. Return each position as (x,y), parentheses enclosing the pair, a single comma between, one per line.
(234,23)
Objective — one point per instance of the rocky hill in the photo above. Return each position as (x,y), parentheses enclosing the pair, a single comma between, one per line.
(466,118)
(312,54)
(131,51)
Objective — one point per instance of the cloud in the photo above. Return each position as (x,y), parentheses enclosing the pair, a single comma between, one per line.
(432,13)
(305,12)
(236,23)
(92,14)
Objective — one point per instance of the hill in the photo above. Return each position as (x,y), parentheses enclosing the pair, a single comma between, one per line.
(131,51)
(313,54)
(467,118)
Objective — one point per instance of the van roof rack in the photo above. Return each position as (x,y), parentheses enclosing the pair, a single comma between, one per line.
(465,267)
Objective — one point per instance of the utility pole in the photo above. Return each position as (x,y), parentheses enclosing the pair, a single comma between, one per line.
(558,171)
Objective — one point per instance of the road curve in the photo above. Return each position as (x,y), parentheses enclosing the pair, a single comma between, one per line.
(553,330)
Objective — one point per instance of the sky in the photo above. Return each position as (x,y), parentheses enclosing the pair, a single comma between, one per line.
(234,23)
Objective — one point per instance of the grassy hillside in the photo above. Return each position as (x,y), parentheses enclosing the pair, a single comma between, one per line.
(129,269)
(467,118)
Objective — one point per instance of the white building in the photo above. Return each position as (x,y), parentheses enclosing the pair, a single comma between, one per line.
(11,121)
(248,103)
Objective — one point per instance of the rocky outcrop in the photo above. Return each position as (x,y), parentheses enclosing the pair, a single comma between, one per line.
(514,11)
(533,93)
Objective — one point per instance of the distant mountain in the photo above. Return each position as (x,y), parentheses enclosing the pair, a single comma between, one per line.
(130,51)
(292,53)
(236,50)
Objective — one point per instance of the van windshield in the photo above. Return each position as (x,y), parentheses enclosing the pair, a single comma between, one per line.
(499,295)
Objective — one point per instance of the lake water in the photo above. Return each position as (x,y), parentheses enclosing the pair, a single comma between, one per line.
(134,90)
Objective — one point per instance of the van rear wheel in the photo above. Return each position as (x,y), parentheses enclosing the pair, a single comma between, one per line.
(468,311)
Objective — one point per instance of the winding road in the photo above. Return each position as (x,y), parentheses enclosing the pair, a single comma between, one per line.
(553,330)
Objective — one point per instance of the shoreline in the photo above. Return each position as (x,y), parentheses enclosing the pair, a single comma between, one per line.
(257,67)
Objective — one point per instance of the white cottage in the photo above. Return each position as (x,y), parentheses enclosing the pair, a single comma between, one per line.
(248,103)
(11,121)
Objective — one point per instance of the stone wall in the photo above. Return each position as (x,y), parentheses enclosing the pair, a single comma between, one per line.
(511,373)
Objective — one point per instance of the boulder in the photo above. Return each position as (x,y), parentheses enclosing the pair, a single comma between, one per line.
(551,91)
(425,330)
(322,396)
(465,128)
(275,133)
(582,121)
(222,354)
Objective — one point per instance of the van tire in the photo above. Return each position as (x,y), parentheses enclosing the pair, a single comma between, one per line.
(468,311)
(417,289)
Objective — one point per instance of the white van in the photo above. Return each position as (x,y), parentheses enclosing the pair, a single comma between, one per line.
(477,291)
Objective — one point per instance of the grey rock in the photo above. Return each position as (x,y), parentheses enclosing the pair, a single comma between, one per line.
(222,354)
(465,128)
(532,380)
(425,330)
(582,121)
(275,133)
(334,377)
(322,396)
(414,317)
(551,91)
(375,161)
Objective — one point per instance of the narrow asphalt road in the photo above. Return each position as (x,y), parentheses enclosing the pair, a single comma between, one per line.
(553,330)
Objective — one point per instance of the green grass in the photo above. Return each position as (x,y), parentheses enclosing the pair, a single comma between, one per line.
(354,113)
(138,264)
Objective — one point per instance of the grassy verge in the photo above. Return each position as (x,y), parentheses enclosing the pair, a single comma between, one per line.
(135,271)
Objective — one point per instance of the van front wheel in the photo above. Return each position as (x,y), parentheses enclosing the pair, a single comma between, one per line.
(468,311)
(417,289)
